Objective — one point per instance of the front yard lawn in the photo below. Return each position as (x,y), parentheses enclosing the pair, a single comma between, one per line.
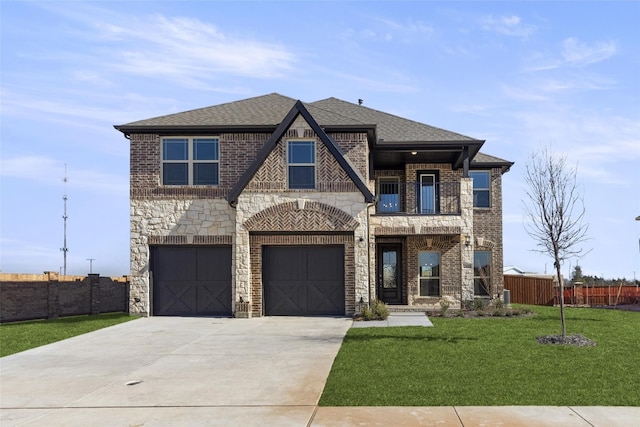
(491,361)
(21,336)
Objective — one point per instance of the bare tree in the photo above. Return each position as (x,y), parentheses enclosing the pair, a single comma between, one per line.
(555,210)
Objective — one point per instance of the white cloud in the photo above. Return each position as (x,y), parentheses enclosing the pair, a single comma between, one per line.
(573,52)
(173,47)
(521,94)
(409,27)
(185,50)
(511,25)
(578,53)
(603,146)
(389,30)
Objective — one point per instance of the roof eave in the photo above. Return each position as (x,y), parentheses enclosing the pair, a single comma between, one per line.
(425,145)
(181,129)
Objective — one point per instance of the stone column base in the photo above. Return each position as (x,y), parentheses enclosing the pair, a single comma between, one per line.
(243,310)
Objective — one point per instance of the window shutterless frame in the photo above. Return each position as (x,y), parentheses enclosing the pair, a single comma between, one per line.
(301,164)
(190,160)
(482,273)
(481,188)
(429,273)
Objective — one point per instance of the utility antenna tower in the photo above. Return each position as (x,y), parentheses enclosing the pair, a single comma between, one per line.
(64,249)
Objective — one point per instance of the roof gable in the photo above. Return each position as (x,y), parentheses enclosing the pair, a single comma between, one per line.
(299,109)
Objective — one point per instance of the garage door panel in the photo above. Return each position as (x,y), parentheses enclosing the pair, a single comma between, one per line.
(175,264)
(213,298)
(303,280)
(174,298)
(293,269)
(325,298)
(213,264)
(191,281)
(285,298)
(325,263)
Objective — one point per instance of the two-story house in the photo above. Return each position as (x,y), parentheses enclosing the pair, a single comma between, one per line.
(272,206)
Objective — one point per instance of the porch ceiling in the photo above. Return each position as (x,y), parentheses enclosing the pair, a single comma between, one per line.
(395,156)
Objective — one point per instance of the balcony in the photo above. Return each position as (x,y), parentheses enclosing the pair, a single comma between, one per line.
(418,198)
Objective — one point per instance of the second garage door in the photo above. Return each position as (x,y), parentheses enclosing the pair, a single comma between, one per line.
(303,280)
(191,280)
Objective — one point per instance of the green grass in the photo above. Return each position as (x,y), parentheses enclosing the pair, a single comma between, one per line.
(491,361)
(21,336)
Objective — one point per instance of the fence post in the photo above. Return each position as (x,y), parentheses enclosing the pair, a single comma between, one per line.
(94,282)
(53,292)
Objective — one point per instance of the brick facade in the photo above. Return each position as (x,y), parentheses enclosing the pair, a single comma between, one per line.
(487,228)
(258,241)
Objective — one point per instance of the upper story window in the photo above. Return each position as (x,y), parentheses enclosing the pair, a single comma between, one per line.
(301,164)
(190,161)
(481,188)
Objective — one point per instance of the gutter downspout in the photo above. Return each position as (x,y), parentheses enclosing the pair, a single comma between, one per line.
(369,205)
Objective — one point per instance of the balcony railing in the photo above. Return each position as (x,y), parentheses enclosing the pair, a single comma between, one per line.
(441,198)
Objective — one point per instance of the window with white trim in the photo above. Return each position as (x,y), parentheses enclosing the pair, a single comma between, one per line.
(301,164)
(481,188)
(190,161)
(429,273)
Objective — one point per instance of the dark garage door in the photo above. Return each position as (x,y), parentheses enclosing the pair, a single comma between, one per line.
(191,281)
(303,280)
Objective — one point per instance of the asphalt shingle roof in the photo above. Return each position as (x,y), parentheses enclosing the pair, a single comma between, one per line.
(269,110)
(486,158)
(390,128)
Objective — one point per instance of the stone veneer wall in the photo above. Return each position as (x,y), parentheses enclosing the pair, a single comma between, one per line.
(199,221)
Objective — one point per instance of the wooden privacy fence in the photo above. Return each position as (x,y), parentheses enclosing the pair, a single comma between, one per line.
(50,295)
(602,295)
(530,289)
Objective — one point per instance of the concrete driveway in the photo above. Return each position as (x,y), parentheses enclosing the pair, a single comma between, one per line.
(170,371)
(167,371)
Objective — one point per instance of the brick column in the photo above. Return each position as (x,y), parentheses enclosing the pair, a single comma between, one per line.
(94,282)
(53,292)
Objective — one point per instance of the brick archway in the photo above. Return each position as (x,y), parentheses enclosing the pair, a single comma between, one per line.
(301,215)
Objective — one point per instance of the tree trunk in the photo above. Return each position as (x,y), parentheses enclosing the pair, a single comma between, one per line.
(561,282)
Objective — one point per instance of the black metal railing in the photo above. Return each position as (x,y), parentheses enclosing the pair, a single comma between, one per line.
(441,198)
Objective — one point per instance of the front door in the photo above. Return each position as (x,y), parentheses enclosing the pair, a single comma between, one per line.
(389,273)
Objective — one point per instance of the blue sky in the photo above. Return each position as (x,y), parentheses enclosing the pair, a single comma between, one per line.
(519,75)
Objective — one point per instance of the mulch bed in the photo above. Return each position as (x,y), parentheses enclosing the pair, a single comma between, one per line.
(572,340)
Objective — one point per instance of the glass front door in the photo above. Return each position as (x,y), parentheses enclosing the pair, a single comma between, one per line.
(389,273)
(427,193)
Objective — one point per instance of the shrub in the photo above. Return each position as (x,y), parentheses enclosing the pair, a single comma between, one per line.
(377,310)
(381,310)
(444,306)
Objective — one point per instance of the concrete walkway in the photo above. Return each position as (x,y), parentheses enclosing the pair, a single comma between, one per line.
(397,319)
(167,371)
